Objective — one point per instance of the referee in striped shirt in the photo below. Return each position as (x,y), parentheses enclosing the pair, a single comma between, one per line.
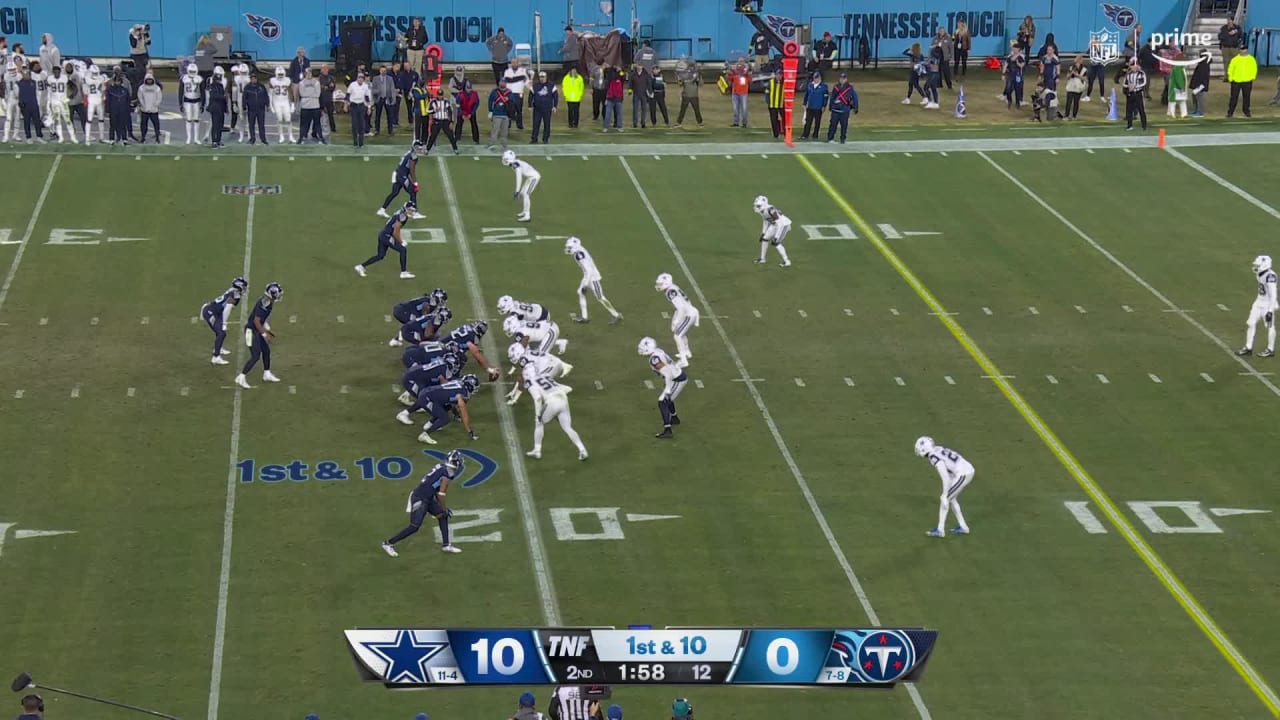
(1135,84)
(441,112)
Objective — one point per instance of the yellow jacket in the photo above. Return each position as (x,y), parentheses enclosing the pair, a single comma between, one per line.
(1243,69)
(572,88)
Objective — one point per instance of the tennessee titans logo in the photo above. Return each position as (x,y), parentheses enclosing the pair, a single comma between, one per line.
(1121,16)
(267,28)
(885,655)
(485,465)
(784,26)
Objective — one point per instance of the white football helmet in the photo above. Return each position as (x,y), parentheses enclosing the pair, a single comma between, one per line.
(924,445)
(761,202)
(506,304)
(516,354)
(219,71)
(192,69)
(647,346)
(241,68)
(94,72)
(1262,263)
(572,245)
(508,157)
(663,282)
(280,71)
(511,325)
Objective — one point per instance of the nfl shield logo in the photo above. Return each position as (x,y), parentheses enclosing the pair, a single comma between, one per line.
(1104,46)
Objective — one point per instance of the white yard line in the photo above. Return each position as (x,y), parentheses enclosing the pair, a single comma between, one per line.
(745,377)
(229,511)
(1169,304)
(31,227)
(510,435)
(1240,192)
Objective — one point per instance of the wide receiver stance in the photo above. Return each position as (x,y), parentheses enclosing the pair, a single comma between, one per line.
(956,474)
(590,280)
(775,229)
(1264,308)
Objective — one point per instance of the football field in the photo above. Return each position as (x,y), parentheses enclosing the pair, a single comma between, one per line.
(1066,317)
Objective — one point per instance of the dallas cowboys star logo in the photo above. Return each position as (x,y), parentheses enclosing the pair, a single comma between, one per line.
(406,657)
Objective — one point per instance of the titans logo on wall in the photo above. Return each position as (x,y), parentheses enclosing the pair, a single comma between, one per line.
(1120,16)
(267,28)
(785,27)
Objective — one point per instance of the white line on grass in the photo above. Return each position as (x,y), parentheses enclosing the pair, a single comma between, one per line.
(31,227)
(1154,378)
(781,444)
(1169,304)
(524,494)
(1239,191)
(229,511)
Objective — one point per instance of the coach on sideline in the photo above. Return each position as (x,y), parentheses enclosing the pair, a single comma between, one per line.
(309,107)
(358,96)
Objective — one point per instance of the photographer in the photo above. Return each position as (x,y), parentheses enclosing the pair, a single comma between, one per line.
(32,707)
(139,42)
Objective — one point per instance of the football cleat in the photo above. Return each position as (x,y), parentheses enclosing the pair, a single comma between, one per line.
(582,455)
(360,270)
(759,261)
(665,434)
(390,549)
(226,351)
(382,212)
(535,454)
(405,399)
(565,369)
(218,360)
(616,319)
(1243,352)
(267,376)
(425,438)
(1267,353)
(243,382)
(675,419)
(960,531)
(522,218)
(395,342)
(936,533)
(451,549)
(406,275)
(403,417)
(785,263)
(574,317)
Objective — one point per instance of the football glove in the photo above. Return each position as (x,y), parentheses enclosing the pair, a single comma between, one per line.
(473,435)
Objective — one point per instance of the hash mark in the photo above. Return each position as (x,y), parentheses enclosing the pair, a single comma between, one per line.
(987,311)
(900,381)
(848,381)
(1103,379)
(1128,150)
(1207,377)
(75,391)
(1053,152)
(293,389)
(756,313)
(45,321)
(93,321)
(906,154)
(386,318)
(343,390)
(1033,310)
(894,311)
(342,318)
(1081,310)
(293,318)
(848,311)
(1089,150)
(799,382)
(648,384)
(185,391)
(655,157)
(698,384)
(693,157)
(728,157)
(146,320)
(1223,307)
(950,380)
(1154,378)
(599,385)
(1126,308)
(666,315)
(130,392)
(943,153)
(194,319)
(1052,380)
(1017,152)
(804,314)
(17,394)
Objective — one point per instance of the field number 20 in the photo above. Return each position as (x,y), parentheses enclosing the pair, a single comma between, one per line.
(1197,521)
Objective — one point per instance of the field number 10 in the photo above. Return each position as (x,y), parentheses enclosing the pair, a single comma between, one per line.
(1197,520)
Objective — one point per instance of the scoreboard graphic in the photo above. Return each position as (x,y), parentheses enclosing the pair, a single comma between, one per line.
(417,658)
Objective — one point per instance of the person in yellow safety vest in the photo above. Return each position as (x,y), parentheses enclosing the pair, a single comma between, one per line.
(572,88)
(419,108)
(775,97)
(1242,71)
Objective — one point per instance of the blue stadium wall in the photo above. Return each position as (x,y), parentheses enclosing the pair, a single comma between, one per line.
(708,29)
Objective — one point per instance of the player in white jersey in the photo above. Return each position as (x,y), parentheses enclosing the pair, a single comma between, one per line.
(956,474)
(775,229)
(40,75)
(590,279)
(59,109)
(281,107)
(192,99)
(95,92)
(550,398)
(240,78)
(549,365)
(540,336)
(12,113)
(673,380)
(1264,308)
(684,317)
(525,312)
(526,181)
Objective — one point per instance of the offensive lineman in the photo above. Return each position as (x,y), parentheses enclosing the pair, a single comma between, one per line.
(192,102)
(527,179)
(280,105)
(775,229)
(550,398)
(217,311)
(590,279)
(1264,308)
(390,238)
(673,380)
(444,401)
(956,474)
(258,336)
(684,317)
(59,107)
(405,177)
(428,499)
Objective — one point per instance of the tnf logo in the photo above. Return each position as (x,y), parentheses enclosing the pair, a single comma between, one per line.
(14,21)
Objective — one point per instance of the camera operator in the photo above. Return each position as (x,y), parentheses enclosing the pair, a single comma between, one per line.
(32,707)
(139,41)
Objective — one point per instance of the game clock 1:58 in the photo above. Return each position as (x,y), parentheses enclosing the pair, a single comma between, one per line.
(669,673)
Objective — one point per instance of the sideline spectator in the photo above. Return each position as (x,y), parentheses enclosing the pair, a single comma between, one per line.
(458,81)
(963,43)
(527,710)
(119,100)
(1166,52)
(613,99)
(1026,35)
(1177,92)
(641,86)
(1075,87)
(1130,52)
(298,68)
(1049,65)
(545,100)
(774,102)
(327,86)
(1230,40)
(824,53)
(1097,71)
(573,87)
(570,50)
(1241,74)
(468,106)
(932,73)
(1150,66)
(415,43)
(844,100)
(647,57)
(255,100)
(139,42)
(1050,43)
(760,48)
(420,111)
(500,52)
(359,95)
(740,81)
(918,71)
(815,101)
(517,79)
(382,89)
(1014,67)
(500,106)
(406,78)
(29,106)
(599,88)
(690,78)
(947,46)
(216,103)
(150,96)
(309,107)
(401,53)
(658,100)
(1199,85)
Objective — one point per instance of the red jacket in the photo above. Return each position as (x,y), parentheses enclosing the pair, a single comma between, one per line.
(467,103)
(615,90)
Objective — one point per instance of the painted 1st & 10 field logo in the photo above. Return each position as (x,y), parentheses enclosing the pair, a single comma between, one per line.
(479,468)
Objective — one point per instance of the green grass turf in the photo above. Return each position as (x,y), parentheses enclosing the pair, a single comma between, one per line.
(1062,623)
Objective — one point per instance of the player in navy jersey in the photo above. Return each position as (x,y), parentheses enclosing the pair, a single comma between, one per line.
(258,335)
(405,177)
(217,311)
(443,401)
(423,328)
(428,498)
(419,377)
(405,311)
(389,239)
(468,338)
(425,352)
